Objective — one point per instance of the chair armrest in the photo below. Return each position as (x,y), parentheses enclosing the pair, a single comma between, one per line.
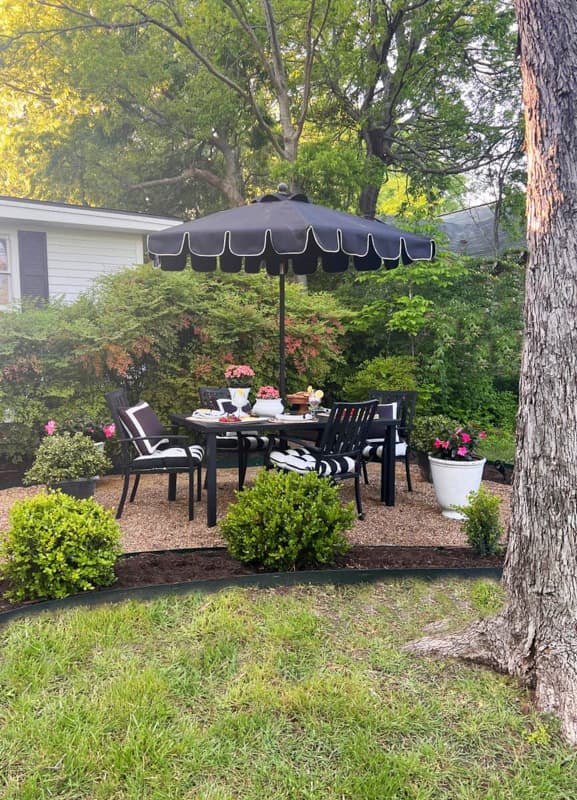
(170,436)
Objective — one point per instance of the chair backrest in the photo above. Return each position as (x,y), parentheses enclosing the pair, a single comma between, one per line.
(210,394)
(116,401)
(136,422)
(347,427)
(406,401)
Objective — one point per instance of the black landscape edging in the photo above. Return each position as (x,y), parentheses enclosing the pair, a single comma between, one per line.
(263,581)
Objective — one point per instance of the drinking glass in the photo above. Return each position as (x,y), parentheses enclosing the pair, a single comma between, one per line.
(314,403)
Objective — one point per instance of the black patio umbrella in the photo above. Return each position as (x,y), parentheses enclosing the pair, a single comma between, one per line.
(281,229)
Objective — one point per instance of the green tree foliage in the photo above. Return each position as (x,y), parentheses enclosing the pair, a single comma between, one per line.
(459,319)
(162,335)
(182,106)
(429,87)
(393,372)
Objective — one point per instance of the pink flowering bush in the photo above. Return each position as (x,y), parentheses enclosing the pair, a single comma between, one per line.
(239,375)
(268,393)
(98,433)
(458,444)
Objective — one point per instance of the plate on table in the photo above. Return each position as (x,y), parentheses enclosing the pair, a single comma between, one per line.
(205,413)
(236,420)
(294,417)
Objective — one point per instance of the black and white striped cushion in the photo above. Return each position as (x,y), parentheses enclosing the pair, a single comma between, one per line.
(374,449)
(140,420)
(252,442)
(301,460)
(171,458)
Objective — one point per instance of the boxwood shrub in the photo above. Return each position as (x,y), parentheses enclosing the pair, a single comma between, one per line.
(57,545)
(288,521)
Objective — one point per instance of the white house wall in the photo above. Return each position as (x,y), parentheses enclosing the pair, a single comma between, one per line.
(81,243)
(77,258)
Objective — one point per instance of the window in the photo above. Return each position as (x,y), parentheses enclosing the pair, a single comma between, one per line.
(5,287)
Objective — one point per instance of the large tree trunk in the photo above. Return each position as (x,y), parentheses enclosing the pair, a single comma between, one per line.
(535,637)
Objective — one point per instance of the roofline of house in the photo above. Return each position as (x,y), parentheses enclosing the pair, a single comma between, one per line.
(47,212)
(468,208)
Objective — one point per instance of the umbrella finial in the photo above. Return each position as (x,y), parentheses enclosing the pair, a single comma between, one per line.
(283,188)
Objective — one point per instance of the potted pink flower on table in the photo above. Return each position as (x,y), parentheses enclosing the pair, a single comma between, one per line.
(268,402)
(239,379)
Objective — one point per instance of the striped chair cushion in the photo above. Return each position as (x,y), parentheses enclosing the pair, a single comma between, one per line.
(171,458)
(374,449)
(301,460)
(252,441)
(140,420)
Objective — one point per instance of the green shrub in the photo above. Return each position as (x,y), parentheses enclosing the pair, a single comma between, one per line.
(160,335)
(288,521)
(57,545)
(427,429)
(393,373)
(65,457)
(499,445)
(482,525)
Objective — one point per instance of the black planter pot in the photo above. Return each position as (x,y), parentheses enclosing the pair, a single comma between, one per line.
(80,488)
(424,466)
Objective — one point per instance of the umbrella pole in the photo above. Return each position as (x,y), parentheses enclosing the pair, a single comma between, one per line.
(281,360)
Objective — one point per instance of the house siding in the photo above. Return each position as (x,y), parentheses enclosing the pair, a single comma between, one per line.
(77,258)
(81,243)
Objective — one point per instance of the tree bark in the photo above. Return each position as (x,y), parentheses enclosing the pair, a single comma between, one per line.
(535,637)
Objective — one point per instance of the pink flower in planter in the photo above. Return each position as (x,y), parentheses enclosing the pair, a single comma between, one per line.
(109,430)
(438,443)
(462,451)
(235,371)
(465,437)
(268,393)
(50,427)
(482,435)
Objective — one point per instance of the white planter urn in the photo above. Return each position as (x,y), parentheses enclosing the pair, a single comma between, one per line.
(453,481)
(268,407)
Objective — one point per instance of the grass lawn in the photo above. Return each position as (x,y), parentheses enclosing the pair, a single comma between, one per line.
(258,694)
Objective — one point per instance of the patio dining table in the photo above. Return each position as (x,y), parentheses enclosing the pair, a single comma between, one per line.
(209,429)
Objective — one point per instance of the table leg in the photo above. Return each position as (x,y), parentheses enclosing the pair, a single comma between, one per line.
(211,479)
(388,468)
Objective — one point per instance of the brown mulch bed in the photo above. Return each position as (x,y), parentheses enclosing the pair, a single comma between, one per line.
(412,535)
(177,566)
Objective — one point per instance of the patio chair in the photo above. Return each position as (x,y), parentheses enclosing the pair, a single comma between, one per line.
(402,406)
(241,443)
(339,454)
(147,449)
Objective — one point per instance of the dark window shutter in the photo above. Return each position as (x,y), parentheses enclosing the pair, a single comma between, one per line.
(33,255)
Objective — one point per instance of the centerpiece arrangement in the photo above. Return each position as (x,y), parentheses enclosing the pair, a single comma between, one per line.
(239,379)
(268,402)
(456,469)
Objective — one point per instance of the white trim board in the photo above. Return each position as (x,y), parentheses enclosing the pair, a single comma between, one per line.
(36,213)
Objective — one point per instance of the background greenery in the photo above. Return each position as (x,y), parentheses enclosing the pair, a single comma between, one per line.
(161,335)
(186,108)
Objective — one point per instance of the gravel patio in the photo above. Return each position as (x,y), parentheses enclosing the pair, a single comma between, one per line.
(153,523)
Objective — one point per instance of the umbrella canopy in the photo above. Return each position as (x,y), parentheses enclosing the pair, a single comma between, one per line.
(282,228)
